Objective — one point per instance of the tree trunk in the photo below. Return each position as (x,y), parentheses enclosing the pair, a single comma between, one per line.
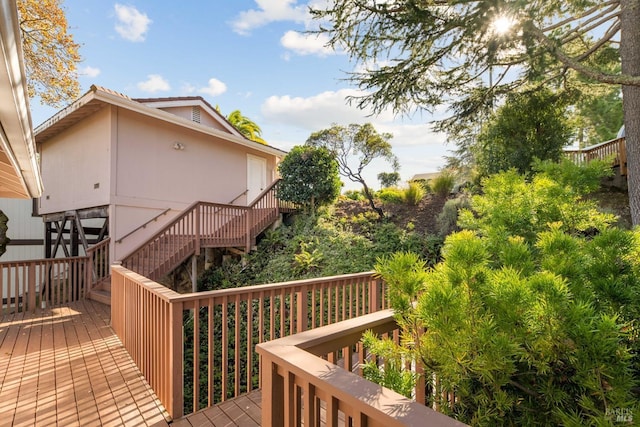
(630,58)
(369,196)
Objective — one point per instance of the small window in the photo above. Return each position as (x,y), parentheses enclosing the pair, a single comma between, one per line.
(195,114)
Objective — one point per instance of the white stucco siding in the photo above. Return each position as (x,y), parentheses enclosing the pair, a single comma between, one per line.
(75,165)
(167,163)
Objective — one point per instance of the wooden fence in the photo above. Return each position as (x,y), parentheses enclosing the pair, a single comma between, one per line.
(212,334)
(35,284)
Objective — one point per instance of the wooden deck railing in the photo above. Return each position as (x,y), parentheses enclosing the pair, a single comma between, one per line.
(100,264)
(30,285)
(201,225)
(303,385)
(615,148)
(213,334)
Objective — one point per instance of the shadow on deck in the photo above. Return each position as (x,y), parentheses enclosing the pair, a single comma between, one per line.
(66,366)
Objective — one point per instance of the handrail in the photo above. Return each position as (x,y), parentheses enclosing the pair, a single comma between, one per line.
(155,218)
(203,224)
(238,196)
(98,255)
(592,147)
(305,362)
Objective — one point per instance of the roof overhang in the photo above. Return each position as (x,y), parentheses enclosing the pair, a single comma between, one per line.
(19,172)
(98,97)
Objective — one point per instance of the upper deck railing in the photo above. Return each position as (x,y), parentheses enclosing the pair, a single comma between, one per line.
(615,148)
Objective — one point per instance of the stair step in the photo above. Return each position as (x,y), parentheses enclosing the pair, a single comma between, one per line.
(100,295)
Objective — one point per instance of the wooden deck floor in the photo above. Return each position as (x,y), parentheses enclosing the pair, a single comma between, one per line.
(65,366)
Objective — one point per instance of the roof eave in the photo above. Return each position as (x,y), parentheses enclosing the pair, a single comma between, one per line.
(132,105)
(16,137)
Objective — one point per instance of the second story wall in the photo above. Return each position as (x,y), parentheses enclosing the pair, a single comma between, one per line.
(161,162)
(75,165)
(160,165)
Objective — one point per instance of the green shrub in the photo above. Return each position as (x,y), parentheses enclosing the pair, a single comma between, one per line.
(531,318)
(354,195)
(413,194)
(443,184)
(447,221)
(390,195)
(426,186)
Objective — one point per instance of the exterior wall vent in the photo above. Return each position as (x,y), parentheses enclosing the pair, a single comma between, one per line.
(195,114)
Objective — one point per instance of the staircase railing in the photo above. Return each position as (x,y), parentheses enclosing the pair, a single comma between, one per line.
(140,227)
(203,224)
(99,262)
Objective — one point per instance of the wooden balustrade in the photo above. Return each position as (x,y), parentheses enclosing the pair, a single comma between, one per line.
(615,149)
(204,224)
(303,385)
(214,333)
(99,261)
(34,284)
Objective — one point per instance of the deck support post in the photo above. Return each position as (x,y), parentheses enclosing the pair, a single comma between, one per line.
(194,273)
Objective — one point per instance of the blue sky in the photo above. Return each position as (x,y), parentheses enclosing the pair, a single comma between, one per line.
(248,55)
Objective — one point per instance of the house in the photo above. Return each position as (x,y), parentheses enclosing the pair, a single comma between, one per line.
(121,167)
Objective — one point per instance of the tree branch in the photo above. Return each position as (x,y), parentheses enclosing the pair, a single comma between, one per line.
(573,63)
(584,15)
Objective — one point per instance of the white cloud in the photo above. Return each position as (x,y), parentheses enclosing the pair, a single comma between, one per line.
(132,24)
(269,11)
(188,88)
(318,111)
(89,71)
(154,83)
(307,44)
(418,148)
(215,88)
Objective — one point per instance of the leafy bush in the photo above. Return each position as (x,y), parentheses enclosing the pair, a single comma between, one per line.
(447,220)
(309,177)
(354,195)
(413,194)
(531,318)
(390,195)
(443,184)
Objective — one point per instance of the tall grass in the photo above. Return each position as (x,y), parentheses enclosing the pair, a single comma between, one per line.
(443,184)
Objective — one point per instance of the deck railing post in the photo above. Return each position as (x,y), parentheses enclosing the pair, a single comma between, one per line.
(302,311)
(273,397)
(198,213)
(176,361)
(32,287)
(249,227)
(374,295)
(623,156)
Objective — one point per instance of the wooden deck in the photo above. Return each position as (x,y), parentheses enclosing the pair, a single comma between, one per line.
(65,366)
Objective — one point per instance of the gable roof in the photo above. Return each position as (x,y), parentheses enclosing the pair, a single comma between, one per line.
(190,101)
(19,173)
(98,97)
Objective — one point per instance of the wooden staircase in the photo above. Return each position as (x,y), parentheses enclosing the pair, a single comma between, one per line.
(201,225)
